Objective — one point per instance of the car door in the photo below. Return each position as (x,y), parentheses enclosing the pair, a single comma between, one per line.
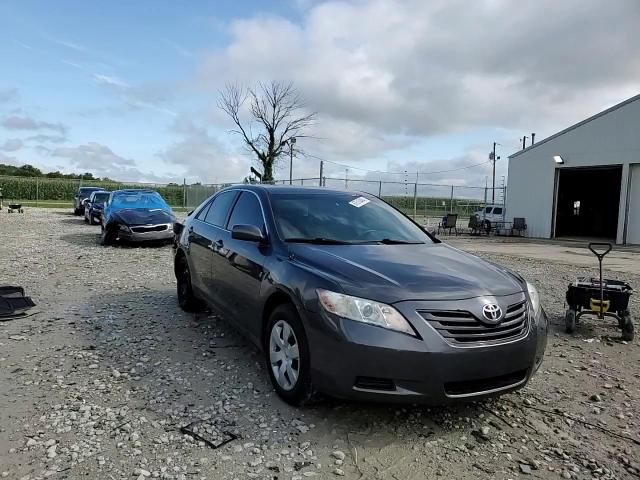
(202,235)
(238,265)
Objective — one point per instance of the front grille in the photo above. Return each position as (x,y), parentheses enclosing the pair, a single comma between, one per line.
(152,228)
(461,327)
(470,387)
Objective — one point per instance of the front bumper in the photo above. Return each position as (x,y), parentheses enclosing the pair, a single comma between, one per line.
(163,235)
(358,361)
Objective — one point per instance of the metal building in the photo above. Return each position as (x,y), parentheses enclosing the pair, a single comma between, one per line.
(582,182)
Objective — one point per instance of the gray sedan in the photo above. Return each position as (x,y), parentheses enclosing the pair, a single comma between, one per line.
(347,296)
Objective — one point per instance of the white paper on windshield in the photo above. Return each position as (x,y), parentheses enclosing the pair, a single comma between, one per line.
(359,202)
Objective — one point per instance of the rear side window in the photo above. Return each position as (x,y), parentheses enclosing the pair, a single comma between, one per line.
(497,211)
(219,208)
(247,212)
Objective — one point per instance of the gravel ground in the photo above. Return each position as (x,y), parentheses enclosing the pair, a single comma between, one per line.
(111,380)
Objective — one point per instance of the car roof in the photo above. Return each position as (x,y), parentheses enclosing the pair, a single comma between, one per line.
(291,189)
(135,190)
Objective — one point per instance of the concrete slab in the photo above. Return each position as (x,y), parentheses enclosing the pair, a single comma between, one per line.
(621,259)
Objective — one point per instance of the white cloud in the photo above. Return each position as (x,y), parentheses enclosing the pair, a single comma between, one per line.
(24,122)
(419,68)
(12,145)
(201,157)
(7,160)
(8,95)
(110,80)
(100,160)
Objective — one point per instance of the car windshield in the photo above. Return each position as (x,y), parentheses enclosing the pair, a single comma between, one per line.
(101,197)
(149,200)
(341,218)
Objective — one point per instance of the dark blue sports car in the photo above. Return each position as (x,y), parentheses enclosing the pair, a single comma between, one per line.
(136,215)
(93,207)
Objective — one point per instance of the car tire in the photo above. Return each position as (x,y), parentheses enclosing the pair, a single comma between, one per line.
(186,298)
(285,331)
(627,327)
(76,212)
(570,321)
(107,237)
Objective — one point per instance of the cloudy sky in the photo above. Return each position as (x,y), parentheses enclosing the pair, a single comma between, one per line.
(128,89)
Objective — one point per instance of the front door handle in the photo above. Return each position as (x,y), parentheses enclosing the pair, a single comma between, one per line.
(216,245)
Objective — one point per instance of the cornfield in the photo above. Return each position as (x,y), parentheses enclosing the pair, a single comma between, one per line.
(63,190)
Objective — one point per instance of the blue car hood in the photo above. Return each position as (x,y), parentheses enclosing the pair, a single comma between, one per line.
(141,216)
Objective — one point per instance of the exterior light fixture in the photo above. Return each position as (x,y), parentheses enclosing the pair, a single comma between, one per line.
(558,159)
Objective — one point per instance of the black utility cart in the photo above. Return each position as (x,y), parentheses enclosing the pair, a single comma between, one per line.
(600,297)
(15,207)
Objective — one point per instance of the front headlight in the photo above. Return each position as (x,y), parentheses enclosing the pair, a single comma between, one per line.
(365,311)
(170,226)
(534,298)
(124,228)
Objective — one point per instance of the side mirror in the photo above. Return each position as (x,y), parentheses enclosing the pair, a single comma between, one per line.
(177,228)
(250,233)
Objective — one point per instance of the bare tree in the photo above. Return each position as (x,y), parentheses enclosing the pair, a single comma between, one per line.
(277,115)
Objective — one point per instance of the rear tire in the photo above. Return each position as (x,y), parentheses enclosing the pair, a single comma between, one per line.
(627,328)
(186,298)
(286,347)
(570,321)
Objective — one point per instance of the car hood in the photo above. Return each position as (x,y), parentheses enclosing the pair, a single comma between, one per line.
(394,273)
(141,216)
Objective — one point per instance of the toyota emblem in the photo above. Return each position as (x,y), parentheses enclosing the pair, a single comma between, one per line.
(492,312)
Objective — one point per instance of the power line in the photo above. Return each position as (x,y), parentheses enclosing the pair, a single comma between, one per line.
(403,172)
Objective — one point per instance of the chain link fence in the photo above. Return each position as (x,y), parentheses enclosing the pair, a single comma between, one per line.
(424,202)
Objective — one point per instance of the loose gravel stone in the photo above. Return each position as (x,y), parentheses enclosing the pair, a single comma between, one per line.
(100,383)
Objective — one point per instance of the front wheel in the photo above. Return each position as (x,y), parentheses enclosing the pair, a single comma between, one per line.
(627,327)
(107,237)
(186,299)
(287,356)
(570,321)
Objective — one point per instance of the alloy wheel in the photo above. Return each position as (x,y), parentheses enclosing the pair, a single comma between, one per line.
(284,355)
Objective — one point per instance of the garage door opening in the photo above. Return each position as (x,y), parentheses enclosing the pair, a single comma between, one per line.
(588,202)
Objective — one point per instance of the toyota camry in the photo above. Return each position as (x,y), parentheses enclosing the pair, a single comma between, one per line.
(347,296)
(136,215)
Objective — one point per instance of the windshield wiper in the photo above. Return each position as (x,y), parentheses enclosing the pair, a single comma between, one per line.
(391,241)
(317,241)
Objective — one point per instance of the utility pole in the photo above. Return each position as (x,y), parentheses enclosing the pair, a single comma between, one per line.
(493,158)
(321,169)
(292,142)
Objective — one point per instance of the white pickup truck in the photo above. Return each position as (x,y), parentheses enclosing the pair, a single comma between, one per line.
(493,213)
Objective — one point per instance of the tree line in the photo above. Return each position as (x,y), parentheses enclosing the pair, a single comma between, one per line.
(27,170)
